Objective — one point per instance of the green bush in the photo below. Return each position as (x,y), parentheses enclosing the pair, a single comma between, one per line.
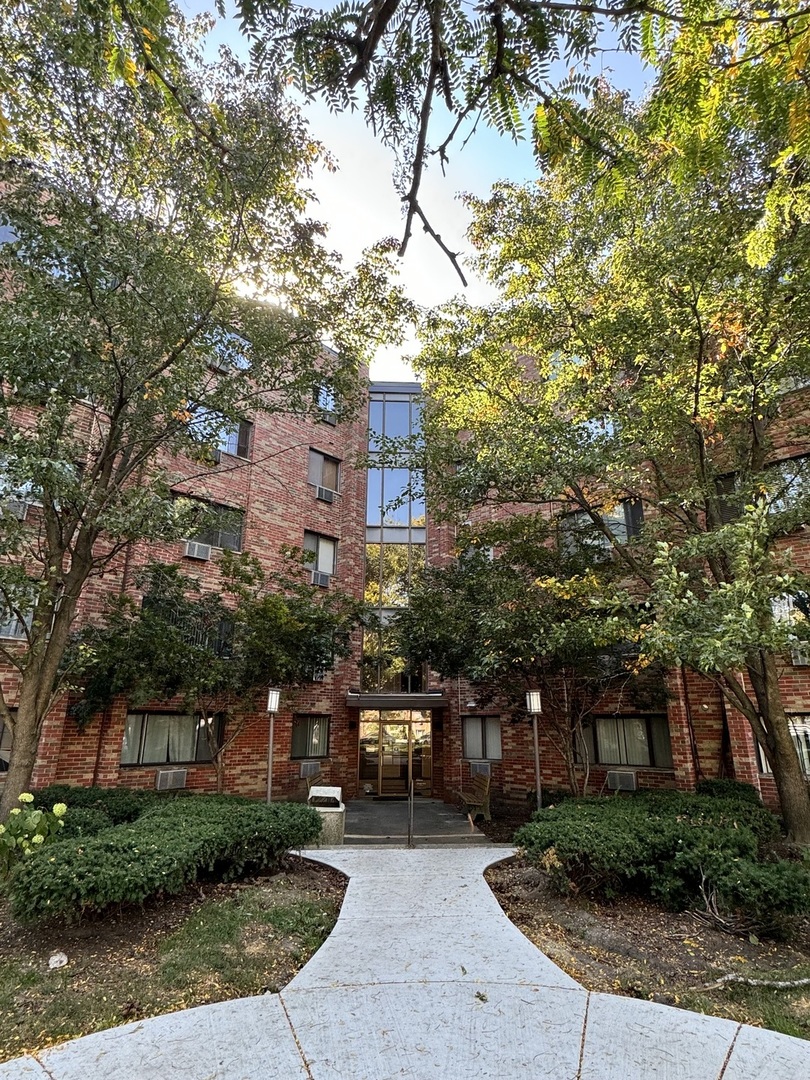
(119,804)
(672,847)
(729,789)
(84,821)
(171,845)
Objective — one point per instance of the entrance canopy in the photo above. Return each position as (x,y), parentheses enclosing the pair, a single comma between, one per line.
(396,701)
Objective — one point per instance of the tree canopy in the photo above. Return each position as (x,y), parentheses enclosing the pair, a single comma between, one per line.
(640,366)
(427,72)
(162,281)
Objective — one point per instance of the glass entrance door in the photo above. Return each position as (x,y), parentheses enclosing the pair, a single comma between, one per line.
(395,748)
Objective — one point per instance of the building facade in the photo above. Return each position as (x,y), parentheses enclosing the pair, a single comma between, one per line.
(374,725)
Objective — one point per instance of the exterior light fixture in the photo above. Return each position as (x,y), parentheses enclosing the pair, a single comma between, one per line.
(534,707)
(273,698)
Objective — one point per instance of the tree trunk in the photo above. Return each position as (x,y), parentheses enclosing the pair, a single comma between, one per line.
(791,783)
(21,762)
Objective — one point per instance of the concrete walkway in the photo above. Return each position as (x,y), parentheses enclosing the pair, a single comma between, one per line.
(424,977)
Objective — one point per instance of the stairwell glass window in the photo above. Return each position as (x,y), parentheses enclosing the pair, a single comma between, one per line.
(167,739)
(629,740)
(323,472)
(481,736)
(323,560)
(310,736)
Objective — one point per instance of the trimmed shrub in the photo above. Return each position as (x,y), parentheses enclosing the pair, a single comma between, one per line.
(84,821)
(119,804)
(672,847)
(729,789)
(168,847)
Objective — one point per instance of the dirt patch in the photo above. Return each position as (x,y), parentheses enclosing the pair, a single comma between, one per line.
(211,943)
(634,948)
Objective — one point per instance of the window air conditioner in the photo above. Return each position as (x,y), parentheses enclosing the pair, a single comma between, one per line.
(170,779)
(621,780)
(216,455)
(800,657)
(321,579)
(325,495)
(310,768)
(480,768)
(194,550)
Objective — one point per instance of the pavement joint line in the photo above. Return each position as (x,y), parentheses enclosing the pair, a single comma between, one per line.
(724,1066)
(486,981)
(294,1034)
(582,1040)
(44,1068)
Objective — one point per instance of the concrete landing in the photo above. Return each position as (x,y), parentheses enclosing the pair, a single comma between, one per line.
(424,978)
(384,822)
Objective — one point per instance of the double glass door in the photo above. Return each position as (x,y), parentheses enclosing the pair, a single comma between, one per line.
(395,749)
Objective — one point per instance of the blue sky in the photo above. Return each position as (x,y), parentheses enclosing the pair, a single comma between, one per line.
(360,204)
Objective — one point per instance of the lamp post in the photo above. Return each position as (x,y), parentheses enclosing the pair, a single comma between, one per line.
(273,697)
(534,707)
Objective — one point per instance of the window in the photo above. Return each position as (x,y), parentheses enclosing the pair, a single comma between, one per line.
(324,551)
(310,737)
(167,739)
(225,533)
(795,610)
(5,745)
(800,730)
(578,531)
(482,737)
(236,440)
(629,740)
(12,626)
(327,403)
(324,471)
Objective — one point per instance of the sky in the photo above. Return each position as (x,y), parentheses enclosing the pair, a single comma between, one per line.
(361,206)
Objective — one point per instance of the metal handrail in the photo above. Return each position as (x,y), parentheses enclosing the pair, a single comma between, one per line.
(410,814)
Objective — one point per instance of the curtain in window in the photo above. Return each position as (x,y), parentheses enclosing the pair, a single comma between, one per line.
(493,737)
(156,740)
(182,738)
(132,739)
(637,752)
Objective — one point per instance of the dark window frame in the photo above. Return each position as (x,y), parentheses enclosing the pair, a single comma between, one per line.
(214,534)
(202,751)
(315,470)
(648,718)
(307,753)
(483,720)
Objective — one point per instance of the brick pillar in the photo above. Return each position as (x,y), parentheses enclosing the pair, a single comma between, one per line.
(683,761)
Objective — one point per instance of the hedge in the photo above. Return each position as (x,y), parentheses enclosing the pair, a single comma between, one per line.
(119,804)
(673,848)
(169,846)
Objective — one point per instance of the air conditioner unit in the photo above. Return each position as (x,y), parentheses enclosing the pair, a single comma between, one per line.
(325,495)
(216,456)
(622,780)
(800,657)
(170,779)
(310,768)
(194,550)
(321,579)
(480,768)
(17,507)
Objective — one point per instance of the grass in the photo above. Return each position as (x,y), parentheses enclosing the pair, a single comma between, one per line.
(786,1011)
(236,941)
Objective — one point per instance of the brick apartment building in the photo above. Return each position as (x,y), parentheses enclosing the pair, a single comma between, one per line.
(373,724)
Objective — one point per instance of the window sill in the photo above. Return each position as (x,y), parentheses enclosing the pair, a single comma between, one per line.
(161,764)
